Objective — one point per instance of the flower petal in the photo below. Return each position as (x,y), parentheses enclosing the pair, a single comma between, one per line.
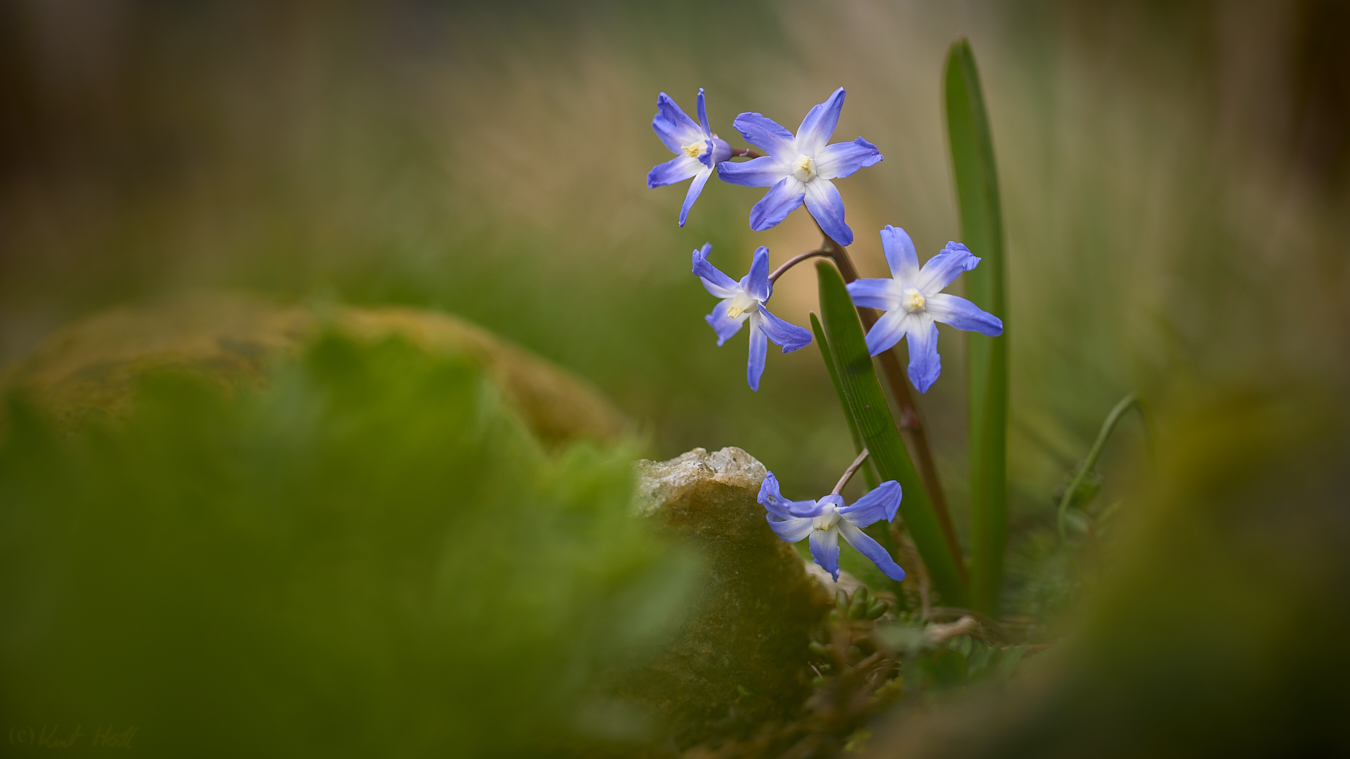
(791,529)
(756,283)
(964,315)
(843,158)
(942,269)
(695,187)
(771,499)
(886,332)
(924,363)
(765,171)
(703,114)
(672,171)
(759,349)
(717,152)
(819,124)
(785,334)
(715,282)
(900,255)
(767,134)
(881,503)
(825,549)
(672,125)
(782,199)
(725,326)
(882,294)
(871,549)
(825,204)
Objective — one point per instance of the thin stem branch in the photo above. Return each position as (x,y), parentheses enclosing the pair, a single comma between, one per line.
(911,422)
(1128,402)
(745,153)
(848,473)
(791,262)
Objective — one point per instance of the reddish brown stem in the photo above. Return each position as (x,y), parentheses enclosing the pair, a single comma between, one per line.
(911,422)
(848,473)
(791,262)
(745,153)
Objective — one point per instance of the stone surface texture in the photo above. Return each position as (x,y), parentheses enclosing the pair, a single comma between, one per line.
(234,339)
(740,655)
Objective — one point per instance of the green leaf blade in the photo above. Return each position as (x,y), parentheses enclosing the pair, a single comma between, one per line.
(869,468)
(872,416)
(986,357)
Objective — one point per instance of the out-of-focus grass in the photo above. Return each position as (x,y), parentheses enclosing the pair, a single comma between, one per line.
(490,161)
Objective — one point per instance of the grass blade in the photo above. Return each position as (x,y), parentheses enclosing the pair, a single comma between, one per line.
(872,417)
(986,357)
(869,471)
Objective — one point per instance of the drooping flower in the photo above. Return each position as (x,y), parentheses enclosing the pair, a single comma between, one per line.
(800,168)
(825,520)
(914,303)
(698,150)
(744,301)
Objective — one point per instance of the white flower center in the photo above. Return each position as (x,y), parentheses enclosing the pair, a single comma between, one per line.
(826,520)
(913,300)
(696,149)
(740,304)
(803,168)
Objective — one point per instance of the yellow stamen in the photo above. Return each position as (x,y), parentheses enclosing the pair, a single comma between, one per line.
(914,300)
(804,169)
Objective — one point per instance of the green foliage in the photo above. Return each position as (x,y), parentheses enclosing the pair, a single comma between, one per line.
(823,342)
(986,357)
(857,606)
(370,557)
(934,664)
(867,405)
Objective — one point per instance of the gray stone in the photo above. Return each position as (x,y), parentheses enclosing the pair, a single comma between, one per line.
(739,657)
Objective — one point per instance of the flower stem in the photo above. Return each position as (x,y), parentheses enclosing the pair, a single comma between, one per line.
(848,473)
(791,262)
(910,423)
(745,153)
(1128,402)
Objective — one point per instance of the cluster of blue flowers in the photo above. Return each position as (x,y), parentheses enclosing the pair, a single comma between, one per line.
(799,170)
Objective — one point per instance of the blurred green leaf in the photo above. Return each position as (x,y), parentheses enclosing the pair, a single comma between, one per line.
(986,357)
(371,556)
(872,415)
(823,342)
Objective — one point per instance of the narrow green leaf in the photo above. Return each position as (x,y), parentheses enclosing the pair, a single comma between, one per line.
(869,471)
(1011,657)
(867,405)
(986,357)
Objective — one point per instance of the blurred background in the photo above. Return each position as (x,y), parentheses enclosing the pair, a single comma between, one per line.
(1175,178)
(1168,168)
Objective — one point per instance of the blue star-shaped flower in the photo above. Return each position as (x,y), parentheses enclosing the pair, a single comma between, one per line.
(914,303)
(698,149)
(800,168)
(825,520)
(744,301)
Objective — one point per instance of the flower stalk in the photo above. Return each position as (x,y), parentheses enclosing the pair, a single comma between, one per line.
(911,426)
(848,473)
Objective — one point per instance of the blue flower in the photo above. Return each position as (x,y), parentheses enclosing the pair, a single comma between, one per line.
(800,168)
(825,520)
(698,149)
(914,303)
(744,301)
